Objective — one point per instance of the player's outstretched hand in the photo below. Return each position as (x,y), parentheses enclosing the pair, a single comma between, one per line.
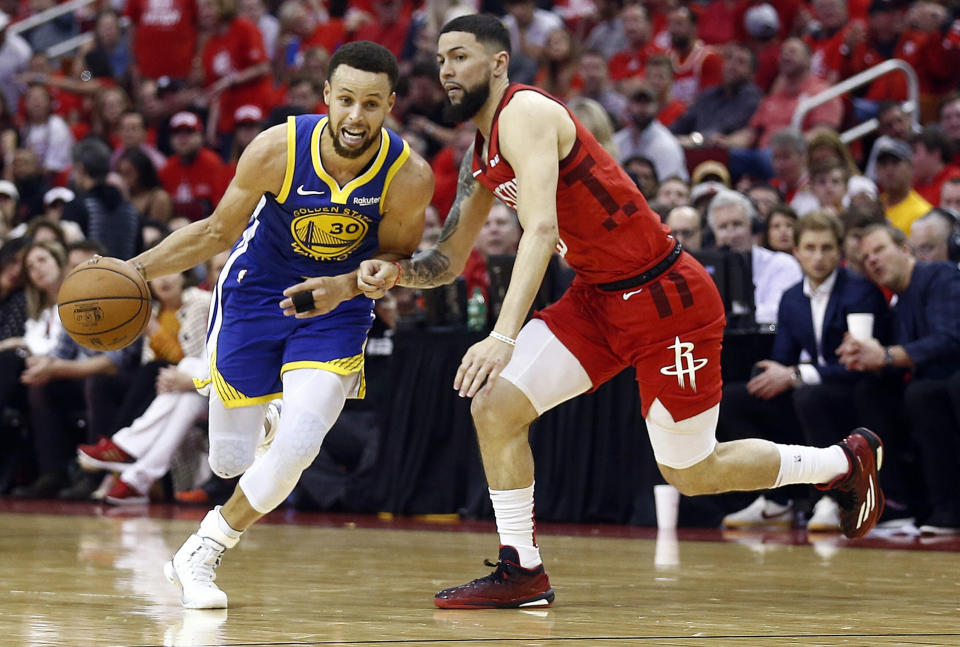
(482,363)
(376,276)
(316,296)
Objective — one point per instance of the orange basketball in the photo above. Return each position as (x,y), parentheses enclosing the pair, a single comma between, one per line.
(104,304)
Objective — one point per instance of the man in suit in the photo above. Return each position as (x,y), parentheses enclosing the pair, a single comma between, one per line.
(928,346)
(803,393)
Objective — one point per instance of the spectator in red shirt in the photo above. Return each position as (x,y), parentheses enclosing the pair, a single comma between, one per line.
(389,27)
(164,35)
(134,135)
(249,123)
(761,25)
(696,66)
(931,163)
(835,33)
(886,37)
(950,122)
(776,110)
(235,64)
(446,168)
(630,63)
(659,75)
(500,236)
(195,177)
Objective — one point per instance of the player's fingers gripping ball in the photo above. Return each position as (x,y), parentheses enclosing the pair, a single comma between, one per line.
(104,304)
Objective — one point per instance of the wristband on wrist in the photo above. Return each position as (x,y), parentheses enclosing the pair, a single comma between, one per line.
(399,274)
(887,356)
(503,338)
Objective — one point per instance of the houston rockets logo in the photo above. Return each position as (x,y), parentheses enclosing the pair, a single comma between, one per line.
(327,234)
(684,366)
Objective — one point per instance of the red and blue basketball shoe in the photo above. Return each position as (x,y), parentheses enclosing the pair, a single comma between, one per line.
(858,491)
(510,586)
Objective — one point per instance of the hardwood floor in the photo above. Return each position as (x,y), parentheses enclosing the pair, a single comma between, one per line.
(75,576)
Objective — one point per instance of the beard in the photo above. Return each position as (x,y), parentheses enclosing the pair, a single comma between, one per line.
(351,153)
(640,122)
(470,104)
(680,42)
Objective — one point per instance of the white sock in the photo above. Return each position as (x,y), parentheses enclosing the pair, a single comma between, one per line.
(216,528)
(817,465)
(514,512)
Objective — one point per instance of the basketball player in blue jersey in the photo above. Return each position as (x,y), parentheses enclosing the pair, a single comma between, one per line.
(325,193)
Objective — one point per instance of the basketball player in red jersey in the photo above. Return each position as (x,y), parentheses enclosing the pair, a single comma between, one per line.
(637,299)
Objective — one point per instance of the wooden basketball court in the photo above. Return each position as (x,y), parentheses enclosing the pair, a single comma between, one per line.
(86,575)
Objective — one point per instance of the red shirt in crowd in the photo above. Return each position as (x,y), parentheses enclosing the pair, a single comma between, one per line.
(890,86)
(930,191)
(776,111)
(236,49)
(392,36)
(330,35)
(445,174)
(165,37)
(630,63)
(671,112)
(196,187)
(702,68)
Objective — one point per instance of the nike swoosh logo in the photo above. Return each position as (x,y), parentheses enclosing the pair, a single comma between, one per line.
(302,191)
(627,295)
(766,515)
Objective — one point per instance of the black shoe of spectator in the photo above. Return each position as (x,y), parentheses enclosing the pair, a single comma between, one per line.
(45,487)
(82,488)
(943,521)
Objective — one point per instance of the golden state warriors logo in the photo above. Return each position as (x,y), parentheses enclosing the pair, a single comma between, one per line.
(329,234)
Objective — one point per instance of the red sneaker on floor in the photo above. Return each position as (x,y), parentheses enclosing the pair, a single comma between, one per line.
(105,455)
(509,587)
(123,494)
(858,491)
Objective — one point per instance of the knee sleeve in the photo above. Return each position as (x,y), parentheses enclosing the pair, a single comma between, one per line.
(233,437)
(312,401)
(680,444)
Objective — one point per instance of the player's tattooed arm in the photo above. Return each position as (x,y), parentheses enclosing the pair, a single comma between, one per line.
(443,262)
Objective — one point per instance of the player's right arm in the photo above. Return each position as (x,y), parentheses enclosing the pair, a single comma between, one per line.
(260,170)
(445,261)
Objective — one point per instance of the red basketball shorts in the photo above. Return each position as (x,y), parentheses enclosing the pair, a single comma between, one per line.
(670,330)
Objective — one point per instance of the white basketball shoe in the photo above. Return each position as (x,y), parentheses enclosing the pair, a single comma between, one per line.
(762,513)
(193,570)
(826,516)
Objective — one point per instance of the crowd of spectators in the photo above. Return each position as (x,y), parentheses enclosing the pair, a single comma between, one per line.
(108,148)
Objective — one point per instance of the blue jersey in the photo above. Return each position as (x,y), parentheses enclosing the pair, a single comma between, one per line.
(312,227)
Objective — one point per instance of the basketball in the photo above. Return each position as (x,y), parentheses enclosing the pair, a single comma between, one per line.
(104,304)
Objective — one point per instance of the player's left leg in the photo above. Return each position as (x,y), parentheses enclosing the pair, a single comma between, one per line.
(312,401)
(690,459)
(541,374)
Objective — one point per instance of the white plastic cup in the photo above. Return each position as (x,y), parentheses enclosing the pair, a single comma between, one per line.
(666,498)
(860,325)
(667,549)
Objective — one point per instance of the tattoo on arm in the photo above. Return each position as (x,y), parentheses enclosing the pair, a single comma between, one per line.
(431,267)
(466,185)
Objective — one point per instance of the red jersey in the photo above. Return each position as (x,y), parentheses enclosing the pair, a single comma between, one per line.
(607,231)
(238,48)
(165,39)
(930,191)
(702,68)
(630,63)
(197,187)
